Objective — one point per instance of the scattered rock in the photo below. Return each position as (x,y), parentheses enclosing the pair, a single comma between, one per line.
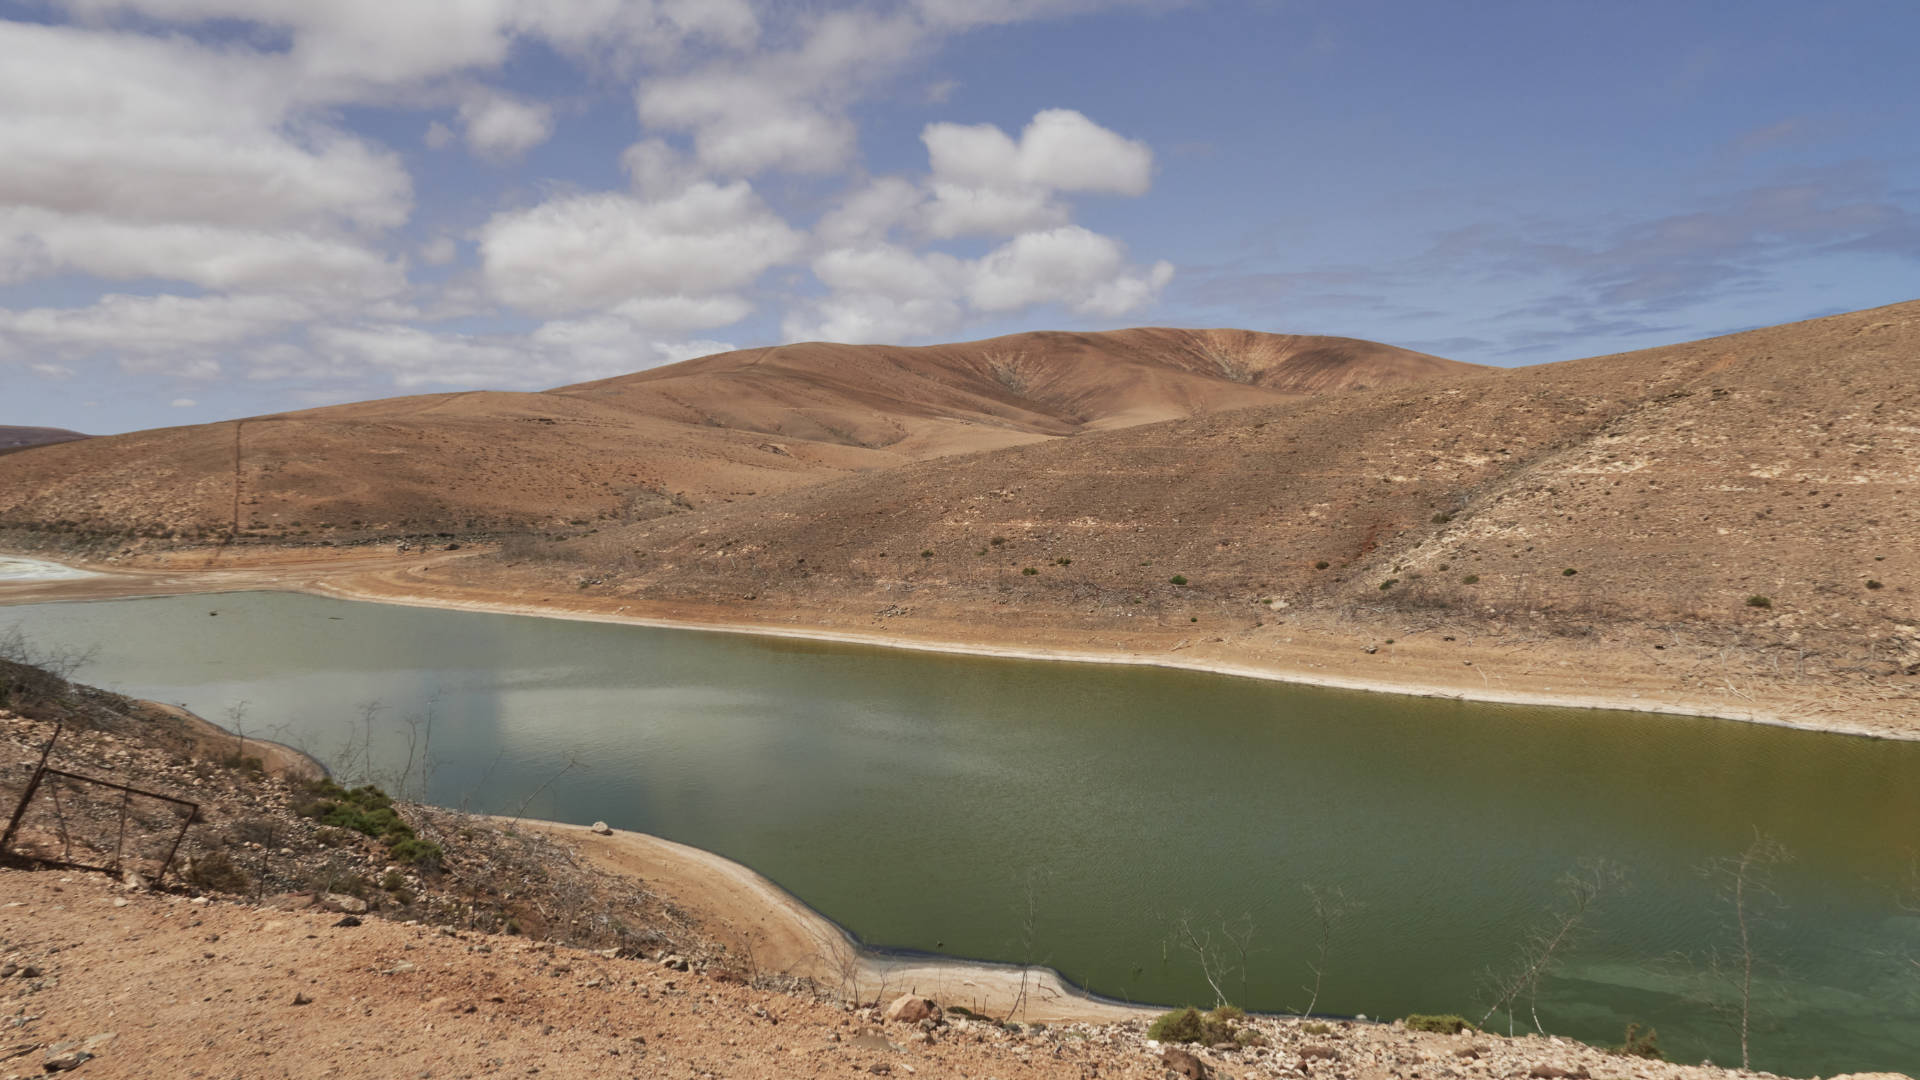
(675,962)
(1184,1063)
(301,999)
(601,828)
(66,1060)
(351,905)
(348,921)
(911,1009)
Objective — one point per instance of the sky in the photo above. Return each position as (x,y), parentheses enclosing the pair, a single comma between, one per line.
(220,208)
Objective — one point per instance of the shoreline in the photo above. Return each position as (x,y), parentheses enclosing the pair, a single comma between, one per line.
(773,931)
(349,582)
(1489,696)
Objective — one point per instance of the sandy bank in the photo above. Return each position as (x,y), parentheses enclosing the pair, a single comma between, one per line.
(774,932)
(1539,673)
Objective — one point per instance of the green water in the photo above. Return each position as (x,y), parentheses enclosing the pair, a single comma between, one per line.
(919,800)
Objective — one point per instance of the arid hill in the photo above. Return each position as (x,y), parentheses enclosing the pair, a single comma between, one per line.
(19,438)
(712,430)
(1766,483)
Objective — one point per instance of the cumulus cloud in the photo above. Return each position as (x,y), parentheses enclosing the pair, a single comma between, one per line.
(886,292)
(1073,266)
(348,49)
(657,170)
(550,356)
(212,152)
(439,251)
(985,182)
(155,129)
(981,180)
(596,251)
(746,126)
(500,128)
(36,242)
(785,107)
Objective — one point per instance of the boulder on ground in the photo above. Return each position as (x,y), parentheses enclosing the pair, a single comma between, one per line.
(341,902)
(912,1008)
(1184,1063)
(601,828)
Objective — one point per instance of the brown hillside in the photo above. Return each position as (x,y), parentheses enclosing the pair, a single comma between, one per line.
(706,431)
(1676,483)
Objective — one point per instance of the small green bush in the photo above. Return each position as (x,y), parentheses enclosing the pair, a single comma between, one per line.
(1642,1044)
(1470,579)
(1442,519)
(927,554)
(1030,571)
(1315,1027)
(1063,561)
(1190,1025)
(1322,565)
(997,541)
(1389,583)
(417,852)
(1178,579)
(1872,584)
(1759,601)
(1568,572)
(1446,1024)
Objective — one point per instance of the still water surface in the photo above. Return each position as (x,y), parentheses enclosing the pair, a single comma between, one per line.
(920,800)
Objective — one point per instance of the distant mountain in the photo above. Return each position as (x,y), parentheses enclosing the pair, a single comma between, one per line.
(704,432)
(19,438)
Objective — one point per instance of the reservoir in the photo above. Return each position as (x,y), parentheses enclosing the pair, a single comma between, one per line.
(1075,815)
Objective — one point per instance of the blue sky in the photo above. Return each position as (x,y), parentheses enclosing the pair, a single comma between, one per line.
(212,208)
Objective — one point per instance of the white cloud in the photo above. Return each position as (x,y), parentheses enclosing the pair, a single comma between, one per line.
(985,182)
(657,170)
(439,251)
(870,213)
(869,319)
(153,323)
(151,129)
(982,181)
(1082,269)
(347,49)
(595,251)
(885,292)
(183,403)
(555,354)
(742,126)
(500,128)
(35,242)
(890,271)
(960,210)
(211,143)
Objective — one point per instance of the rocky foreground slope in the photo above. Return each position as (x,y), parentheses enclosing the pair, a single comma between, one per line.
(118,984)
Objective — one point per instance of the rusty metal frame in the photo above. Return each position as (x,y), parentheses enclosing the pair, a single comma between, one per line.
(42,771)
